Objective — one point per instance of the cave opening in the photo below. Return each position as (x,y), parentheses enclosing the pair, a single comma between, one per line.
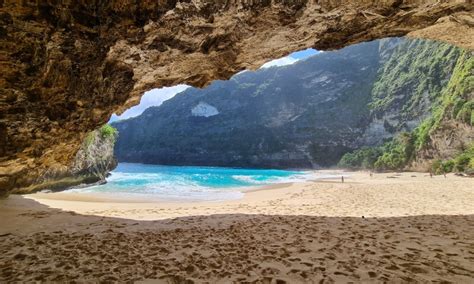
(367,106)
(68,66)
(195,113)
(156,97)
(351,165)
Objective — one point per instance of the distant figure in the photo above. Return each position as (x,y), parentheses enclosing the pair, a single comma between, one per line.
(431,175)
(370,174)
(342,179)
(444,174)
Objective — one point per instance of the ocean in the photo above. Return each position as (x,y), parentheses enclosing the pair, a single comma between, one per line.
(189,183)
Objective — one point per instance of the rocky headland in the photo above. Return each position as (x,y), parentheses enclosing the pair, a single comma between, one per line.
(92,163)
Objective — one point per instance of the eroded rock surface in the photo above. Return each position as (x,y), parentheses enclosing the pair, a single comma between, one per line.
(65,68)
(91,164)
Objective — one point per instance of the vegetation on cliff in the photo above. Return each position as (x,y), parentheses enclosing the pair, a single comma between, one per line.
(95,158)
(463,162)
(108,132)
(453,102)
(414,76)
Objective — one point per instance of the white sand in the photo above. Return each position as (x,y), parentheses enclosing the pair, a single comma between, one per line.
(414,229)
(383,195)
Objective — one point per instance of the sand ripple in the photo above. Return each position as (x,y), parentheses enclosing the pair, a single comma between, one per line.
(282,238)
(256,249)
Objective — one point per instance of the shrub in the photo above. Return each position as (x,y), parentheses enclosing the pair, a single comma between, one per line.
(362,158)
(465,114)
(392,155)
(436,167)
(396,153)
(461,163)
(107,131)
(448,166)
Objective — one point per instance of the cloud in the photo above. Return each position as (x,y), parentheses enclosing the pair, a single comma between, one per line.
(153,97)
(292,58)
(280,62)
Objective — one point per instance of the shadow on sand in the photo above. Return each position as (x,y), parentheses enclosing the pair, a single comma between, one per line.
(42,244)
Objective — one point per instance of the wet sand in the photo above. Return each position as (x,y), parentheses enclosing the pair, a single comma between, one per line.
(391,227)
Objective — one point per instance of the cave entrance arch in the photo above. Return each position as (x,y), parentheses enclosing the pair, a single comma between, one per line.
(67,67)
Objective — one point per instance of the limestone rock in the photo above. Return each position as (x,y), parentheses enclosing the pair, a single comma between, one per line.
(91,164)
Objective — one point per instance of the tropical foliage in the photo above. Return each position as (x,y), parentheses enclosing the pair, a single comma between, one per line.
(108,131)
(421,74)
(392,155)
(464,162)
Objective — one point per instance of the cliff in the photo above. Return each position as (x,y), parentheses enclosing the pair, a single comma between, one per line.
(275,117)
(443,140)
(307,114)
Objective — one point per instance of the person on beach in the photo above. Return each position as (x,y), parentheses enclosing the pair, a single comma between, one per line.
(342,179)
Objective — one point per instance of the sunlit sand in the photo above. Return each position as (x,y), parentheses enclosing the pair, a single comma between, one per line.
(389,227)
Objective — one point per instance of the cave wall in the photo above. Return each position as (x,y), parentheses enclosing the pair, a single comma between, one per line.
(66,66)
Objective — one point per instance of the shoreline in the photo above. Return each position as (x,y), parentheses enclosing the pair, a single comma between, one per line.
(411,228)
(105,197)
(391,195)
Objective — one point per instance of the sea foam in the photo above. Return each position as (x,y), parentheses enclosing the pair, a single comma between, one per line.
(190,183)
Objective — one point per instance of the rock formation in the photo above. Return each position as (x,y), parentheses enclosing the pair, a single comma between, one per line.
(91,164)
(65,67)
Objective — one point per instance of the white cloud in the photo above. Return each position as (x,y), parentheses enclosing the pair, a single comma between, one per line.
(153,97)
(280,62)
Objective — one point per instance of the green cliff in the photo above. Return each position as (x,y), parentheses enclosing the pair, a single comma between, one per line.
(440,78)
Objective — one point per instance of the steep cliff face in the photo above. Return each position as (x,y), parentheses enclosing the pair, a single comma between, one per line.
(303,115)
(308,113)
(440,81)
(409,82)
(91,164)
(65,67)
(450,130)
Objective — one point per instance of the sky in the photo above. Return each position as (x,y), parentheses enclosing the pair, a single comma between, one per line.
(153,97)
(292,58)
(156,97)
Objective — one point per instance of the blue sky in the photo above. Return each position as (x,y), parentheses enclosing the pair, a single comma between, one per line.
(156,97)
(292,58)
(153,97)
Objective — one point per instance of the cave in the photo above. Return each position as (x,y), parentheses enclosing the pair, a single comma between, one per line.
(67,67)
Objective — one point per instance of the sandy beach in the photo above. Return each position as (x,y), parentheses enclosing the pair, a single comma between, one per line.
(390,227)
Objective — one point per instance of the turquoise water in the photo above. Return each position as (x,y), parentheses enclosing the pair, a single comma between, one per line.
(189,183)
